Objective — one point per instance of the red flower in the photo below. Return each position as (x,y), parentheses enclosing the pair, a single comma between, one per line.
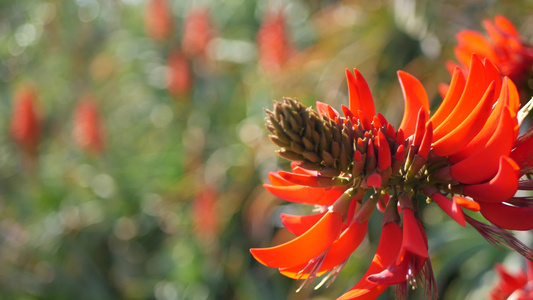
(205,213)
(197,33)
(158,20)
(25,125)
(518,286)
(503,46)
(460,157)
(88,131)
(179,74)
(272,42)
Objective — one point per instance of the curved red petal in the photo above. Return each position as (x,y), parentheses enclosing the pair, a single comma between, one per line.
(453,95)
(481,139)
(325,109)
(299,179)
(450,207)
(359,93)
(388,249)
(420,127)
(457,139)
(475,88)
(474,42)
(298,225)
(277,180)
(340,250)
(384,155)
(303,248)
(505,25)
(501,187)
(425,145)
(413,236)
(307,195)
(415,98)
(484,164)
(508,217)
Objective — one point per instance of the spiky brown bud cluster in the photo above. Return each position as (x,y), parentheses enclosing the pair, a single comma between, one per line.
(332,144)
(304,136)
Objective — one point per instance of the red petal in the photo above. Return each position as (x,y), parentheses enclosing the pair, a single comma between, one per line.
(347,112)
(299,179)
(307,195)
(300,224)
(501,187)
(363,118)
(450,207)
(426,141)
(474,90)
(340,250)
(415,98)
(488,129)
(457,139)
(420,127)
(484,164)
(508,217)
(399,153)
(325,109)
(277,180)
(384,156)
(473,41)
(453,95)
(303,248)
(396,273)
(359,94)
(413,235)
(467,203)
(505,25)
(388,248)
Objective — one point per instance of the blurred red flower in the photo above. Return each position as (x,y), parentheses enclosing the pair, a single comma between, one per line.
(518,286)
(460,157)
(179,77)
(273,43)
(503,46)
(205,214)
(25,124)
(197,32)
(88,131)
(158,20)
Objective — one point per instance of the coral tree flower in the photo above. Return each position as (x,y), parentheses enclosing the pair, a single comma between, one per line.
(88,131)
(179,75)
(197,32)
(518,286)
(503,46)
(158,20)
(25,124)
(273,43)
(460,157)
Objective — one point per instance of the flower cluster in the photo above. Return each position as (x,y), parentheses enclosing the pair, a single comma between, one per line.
(465,156)
(518,286)
(88,130)
(158,20)
(272,42)
(504,47)
(25,124)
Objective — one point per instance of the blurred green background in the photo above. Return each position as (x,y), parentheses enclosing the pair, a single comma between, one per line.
(170,205)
